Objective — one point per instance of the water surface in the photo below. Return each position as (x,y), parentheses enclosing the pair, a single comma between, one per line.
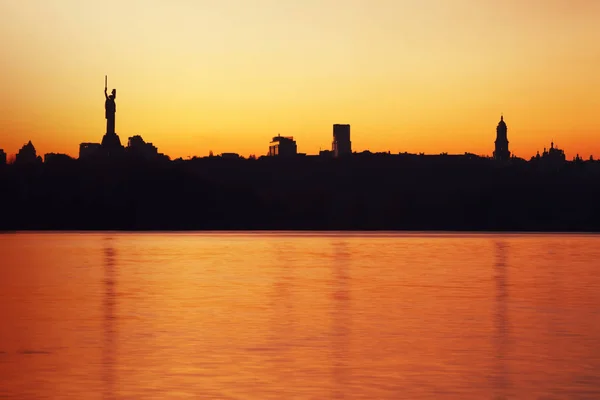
(299,316)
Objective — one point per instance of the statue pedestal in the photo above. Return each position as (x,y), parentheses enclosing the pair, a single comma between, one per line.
(111,145)
(111,140)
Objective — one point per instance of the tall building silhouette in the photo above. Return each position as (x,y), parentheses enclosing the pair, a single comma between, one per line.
(283,146)
(501,152)
(2,157)
(341,145)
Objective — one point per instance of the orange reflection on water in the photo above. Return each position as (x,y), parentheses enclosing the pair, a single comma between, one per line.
(261,316)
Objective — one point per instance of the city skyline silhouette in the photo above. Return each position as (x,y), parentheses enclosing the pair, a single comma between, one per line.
(341,144)
(427,76)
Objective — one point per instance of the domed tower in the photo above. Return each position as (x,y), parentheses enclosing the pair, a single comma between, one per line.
(501,152)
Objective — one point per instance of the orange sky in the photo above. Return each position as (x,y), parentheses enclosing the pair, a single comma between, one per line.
(227,75)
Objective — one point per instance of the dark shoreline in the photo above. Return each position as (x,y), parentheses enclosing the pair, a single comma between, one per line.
(365,194)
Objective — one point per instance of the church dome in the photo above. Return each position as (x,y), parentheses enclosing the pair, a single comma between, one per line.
(502,123)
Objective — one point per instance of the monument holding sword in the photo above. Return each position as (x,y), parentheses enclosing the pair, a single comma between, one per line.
(111,140)
(110,106)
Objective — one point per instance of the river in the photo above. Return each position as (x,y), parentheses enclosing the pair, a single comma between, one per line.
(299,316)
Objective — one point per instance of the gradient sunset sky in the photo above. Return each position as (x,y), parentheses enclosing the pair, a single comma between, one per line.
(227,75)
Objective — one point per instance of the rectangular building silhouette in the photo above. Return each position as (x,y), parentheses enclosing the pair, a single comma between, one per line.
(341,146)
(283,146)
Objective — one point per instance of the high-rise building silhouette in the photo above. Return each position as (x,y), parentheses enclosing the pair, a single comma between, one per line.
(501,152)
(341,145)
(2,157)
(283,146)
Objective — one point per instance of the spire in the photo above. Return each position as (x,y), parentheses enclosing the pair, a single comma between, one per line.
(502,123)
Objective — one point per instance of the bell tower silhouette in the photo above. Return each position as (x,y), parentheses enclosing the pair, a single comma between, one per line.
(501,151)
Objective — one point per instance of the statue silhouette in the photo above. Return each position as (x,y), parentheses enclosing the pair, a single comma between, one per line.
(111,108)
(110,142)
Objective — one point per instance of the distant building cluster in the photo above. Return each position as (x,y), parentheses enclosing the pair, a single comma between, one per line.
(551,158)
(280,146)
(111,147)
(553,154)
(136,148)
(285,146)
